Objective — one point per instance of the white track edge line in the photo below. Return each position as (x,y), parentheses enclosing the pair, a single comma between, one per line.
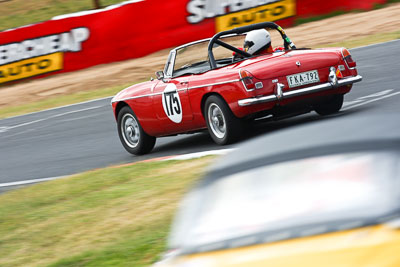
(366,46)
(32,181)
(369,101)
(65,106)
(6,128)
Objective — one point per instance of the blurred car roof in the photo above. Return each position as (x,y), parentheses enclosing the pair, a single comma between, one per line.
(329,136)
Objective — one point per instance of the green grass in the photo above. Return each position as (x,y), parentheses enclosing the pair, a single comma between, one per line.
(116,216)
(15,13)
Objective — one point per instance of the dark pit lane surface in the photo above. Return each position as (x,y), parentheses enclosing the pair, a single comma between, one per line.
(81,137)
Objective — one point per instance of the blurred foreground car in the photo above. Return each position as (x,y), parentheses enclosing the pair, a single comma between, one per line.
(204,86)
(331,201)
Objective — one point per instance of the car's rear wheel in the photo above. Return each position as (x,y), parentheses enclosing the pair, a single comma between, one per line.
(131,133)
(330,106)
(223,126)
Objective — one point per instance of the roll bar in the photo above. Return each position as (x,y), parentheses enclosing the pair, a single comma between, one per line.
(270,25)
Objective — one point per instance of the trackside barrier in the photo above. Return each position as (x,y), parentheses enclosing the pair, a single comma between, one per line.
(139,27)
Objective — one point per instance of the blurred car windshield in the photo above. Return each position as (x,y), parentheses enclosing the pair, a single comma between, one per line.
(342,188)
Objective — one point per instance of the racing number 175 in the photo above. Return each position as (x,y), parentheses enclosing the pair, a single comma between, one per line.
(172,103)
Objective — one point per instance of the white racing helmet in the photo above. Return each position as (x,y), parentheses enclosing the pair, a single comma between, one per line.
(257,41)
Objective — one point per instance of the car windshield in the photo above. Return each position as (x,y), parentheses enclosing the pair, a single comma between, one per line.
(341,189)
(193,59)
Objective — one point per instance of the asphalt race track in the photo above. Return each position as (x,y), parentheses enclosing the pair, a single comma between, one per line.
(81,137)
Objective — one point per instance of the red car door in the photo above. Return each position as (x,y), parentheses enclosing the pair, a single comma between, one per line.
(172,106)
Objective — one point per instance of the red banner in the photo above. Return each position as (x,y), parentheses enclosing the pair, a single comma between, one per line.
(137,28)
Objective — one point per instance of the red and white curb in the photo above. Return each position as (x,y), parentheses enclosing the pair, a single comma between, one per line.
(176,157)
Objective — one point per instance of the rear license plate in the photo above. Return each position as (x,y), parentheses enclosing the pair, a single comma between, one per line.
(303,78)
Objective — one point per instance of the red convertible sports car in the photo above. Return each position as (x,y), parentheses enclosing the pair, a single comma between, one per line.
(213,84)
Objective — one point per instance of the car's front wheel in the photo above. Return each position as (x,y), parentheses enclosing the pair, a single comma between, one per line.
(131,133)
(223,126)
(330,106)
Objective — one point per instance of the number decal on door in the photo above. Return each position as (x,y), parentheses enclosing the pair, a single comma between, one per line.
(172,103)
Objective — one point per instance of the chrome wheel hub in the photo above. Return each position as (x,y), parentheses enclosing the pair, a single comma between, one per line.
(217,120)
(130,130)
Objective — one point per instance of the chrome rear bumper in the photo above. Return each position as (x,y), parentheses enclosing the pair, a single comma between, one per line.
(303,91)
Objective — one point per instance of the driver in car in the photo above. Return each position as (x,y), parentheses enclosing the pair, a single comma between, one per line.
(258,42)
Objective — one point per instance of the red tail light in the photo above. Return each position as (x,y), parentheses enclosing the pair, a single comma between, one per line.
(347,57)
(339,74)
(247,80)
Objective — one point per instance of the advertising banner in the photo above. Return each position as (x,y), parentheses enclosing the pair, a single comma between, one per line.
(45,54)
(137,28)
(274,11)
(232,14)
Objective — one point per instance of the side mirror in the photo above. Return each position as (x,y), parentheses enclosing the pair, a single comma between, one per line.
(160,75)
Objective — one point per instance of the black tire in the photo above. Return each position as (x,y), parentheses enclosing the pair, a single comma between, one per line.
(330,106)
(131,133)
(223,126)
